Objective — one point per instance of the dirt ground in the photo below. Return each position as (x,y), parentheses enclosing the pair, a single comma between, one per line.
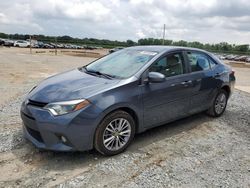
(243,78)
(198,151)
(242,73)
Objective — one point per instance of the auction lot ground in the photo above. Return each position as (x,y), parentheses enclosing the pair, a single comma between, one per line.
(198,151)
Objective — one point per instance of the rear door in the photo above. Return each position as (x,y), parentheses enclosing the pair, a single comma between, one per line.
(201,68)
(167,100)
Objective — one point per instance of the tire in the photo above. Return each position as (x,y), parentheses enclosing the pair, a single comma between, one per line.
(122,126)
(216,110)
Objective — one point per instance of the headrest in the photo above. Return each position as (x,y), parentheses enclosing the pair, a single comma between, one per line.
(201,62)
(172,60)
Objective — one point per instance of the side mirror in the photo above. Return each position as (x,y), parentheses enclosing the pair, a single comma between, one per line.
(156,77)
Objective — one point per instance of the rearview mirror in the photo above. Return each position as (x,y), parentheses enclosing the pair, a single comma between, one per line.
(156,77)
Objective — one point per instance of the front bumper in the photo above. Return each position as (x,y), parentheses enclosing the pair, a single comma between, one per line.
(70,132)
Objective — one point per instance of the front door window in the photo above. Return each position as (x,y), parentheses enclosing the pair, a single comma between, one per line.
(170,65)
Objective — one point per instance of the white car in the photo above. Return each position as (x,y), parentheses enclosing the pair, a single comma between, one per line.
(22,43)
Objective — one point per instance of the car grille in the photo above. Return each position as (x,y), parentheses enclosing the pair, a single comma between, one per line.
(36,103)
(35,134)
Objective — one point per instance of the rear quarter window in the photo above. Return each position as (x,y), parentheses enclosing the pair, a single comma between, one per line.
(212,63)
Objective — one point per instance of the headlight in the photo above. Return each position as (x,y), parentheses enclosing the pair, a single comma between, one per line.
(60,108)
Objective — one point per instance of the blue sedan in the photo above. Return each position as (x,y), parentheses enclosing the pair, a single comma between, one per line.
(104,104)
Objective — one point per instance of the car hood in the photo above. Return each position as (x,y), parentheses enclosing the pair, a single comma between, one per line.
(70,85)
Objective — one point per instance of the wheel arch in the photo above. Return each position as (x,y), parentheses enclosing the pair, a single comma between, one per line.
(126,108)
(227,89)
(131,112)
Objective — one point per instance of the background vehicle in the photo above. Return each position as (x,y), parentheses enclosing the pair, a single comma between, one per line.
(46,45)
(8,42)
(221,57)
(102,105)
(87,47)
(241,58)
(1,41)
(22,43)
(115,49)
(231,57)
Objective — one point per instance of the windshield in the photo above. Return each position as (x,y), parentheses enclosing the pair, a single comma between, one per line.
(121,64)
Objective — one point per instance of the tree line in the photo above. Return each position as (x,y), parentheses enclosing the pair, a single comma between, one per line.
(222,47)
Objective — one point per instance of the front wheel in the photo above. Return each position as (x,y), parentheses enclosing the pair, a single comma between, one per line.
(219,104)
(115,133)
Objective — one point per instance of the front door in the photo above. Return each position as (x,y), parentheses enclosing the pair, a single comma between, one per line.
(168,100)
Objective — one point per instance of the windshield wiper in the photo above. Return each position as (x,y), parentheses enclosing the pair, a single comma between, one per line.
(99,73)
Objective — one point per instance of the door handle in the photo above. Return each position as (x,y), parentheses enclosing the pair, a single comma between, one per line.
(186,83)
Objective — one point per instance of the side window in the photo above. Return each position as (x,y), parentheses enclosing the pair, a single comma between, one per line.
(198,61)
(170,65)
(212,63)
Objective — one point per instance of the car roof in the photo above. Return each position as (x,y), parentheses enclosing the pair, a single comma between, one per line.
(162,48)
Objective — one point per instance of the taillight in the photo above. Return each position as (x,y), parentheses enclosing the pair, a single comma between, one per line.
(231,75)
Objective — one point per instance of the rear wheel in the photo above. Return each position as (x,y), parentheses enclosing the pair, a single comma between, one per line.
(115,133)
(219,104)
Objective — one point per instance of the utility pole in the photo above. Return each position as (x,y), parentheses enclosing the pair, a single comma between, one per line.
(30,46)
(163,37)
(55,46)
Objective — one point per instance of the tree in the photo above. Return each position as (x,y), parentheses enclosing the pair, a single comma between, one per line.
(242,48)
(222,47)
(3,35)
(130,43)
(180,43)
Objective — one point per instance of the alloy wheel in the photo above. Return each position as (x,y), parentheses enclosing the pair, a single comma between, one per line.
(116,134)
(220,103)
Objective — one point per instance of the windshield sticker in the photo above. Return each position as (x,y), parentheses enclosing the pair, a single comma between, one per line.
(148,53)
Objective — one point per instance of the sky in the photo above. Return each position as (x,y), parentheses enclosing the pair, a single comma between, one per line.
(209,21)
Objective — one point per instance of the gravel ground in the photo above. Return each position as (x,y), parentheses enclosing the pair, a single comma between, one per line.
(198,151)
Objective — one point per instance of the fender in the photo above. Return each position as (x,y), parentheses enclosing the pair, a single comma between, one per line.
(138,113)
